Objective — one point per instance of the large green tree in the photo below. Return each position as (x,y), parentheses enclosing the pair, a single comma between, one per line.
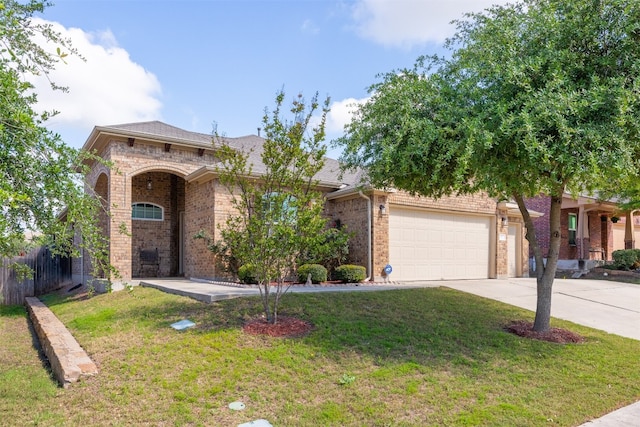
(537,97)
(277,211)
(40,182)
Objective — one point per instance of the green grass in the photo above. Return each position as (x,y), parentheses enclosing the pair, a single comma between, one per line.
(407,357)
(23,376)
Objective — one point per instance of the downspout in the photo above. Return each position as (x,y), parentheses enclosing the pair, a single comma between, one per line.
(369,257)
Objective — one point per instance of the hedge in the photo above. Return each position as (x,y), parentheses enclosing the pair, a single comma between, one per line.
(626,259)
(350,273)
(318,273)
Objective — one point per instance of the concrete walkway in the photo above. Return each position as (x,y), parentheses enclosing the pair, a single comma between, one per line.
(210,292)
(609,306)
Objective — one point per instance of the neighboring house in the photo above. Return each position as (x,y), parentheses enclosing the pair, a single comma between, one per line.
(590,230)
(162,187)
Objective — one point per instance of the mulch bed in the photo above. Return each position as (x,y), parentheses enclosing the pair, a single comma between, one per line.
(556,335)
(286,327)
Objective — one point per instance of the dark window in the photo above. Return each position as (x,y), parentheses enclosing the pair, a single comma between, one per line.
(572,227)
(147,211)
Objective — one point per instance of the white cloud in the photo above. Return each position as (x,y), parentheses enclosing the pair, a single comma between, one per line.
(108,88)
(406,23)
(341,113)
(309,27)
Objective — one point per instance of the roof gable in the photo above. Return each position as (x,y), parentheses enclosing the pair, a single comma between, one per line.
(252,144)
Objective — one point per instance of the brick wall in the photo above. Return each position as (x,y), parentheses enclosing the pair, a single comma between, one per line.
(472,203)
(206,205)
(352,213)
(199,201)
(594,248)
(607,237)
(540,204)
(502,245)
(380,250)
(132,166)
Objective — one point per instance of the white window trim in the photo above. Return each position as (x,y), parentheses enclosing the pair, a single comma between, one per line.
(575,230)
(148,219)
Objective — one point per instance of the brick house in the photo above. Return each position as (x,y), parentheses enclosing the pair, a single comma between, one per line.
(590,230)
(162,187)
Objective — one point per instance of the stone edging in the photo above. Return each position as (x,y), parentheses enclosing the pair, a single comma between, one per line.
(69,362)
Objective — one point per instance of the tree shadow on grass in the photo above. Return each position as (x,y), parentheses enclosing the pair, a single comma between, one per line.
(151,309)
(425,326)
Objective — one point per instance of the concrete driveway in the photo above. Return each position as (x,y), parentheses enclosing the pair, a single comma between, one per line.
(606,305)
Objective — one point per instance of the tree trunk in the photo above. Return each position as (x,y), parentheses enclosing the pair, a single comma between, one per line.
(545,273)
(264,295)
(545,281)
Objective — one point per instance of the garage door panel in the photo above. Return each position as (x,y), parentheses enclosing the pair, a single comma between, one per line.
(443,245)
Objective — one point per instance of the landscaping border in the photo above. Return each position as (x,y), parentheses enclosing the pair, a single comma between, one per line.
(68,361)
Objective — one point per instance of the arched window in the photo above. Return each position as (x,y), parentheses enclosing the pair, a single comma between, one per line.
(147,211)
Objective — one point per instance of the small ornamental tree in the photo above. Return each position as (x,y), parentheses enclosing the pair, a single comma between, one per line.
(277,208)
(538,97)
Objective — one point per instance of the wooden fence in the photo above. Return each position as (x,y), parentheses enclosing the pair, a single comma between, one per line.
(49,273)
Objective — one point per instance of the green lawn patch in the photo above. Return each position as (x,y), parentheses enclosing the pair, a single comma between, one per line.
(407,357)
(27,390)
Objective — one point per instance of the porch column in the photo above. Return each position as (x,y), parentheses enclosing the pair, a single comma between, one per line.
(580,231)
(629,241)
(120,242)
(607,237)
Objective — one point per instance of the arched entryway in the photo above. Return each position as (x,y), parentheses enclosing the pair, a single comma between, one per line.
(157,224)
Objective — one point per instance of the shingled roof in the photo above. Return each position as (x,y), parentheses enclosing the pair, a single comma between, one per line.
(156,130)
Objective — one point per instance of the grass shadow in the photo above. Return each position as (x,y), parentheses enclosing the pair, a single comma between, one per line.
(424,326)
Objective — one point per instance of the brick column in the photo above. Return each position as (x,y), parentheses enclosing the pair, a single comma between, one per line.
(380,231)
(502,245)
(629,242)
(120,247)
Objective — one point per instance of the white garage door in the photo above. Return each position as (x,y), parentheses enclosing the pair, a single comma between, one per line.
(427,245)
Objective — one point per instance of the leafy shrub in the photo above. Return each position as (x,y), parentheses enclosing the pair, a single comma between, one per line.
(247,274)
(350,273)
(626,259)
(318,273)
(331,249)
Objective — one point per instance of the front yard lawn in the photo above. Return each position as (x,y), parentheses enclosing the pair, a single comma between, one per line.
(407,357)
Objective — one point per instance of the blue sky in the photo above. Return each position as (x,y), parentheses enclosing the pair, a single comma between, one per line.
(192,63)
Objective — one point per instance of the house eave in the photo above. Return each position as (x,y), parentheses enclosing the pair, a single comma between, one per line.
(98,130)
(207,173)
(513,210)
